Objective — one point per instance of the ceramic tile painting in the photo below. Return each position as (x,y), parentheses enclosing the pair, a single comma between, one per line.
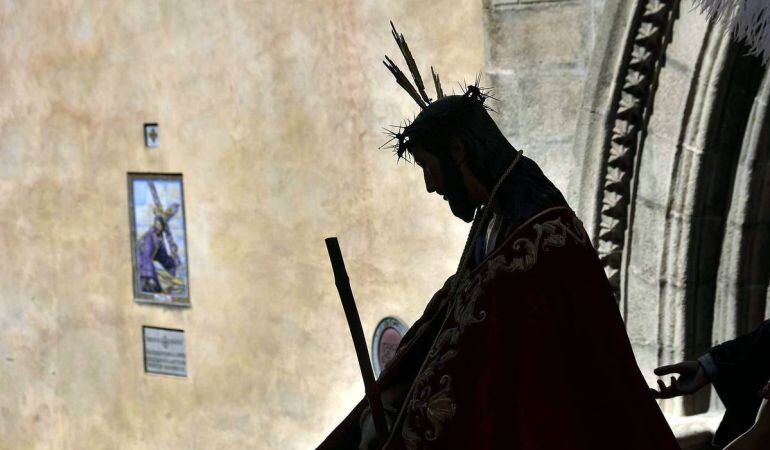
(158,239)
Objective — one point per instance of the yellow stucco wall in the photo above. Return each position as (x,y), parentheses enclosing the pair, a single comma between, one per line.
(272,111)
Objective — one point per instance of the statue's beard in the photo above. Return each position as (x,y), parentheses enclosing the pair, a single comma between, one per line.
(457,195)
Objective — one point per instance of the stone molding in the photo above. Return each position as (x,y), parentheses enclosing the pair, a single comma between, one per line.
(743,263)
(676,333)
(629,114)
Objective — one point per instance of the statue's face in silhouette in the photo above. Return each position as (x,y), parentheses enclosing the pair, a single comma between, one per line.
(443,177)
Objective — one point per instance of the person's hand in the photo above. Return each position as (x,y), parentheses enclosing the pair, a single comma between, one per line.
(692,377)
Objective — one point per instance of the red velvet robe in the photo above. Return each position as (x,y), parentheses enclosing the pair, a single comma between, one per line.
(533,355)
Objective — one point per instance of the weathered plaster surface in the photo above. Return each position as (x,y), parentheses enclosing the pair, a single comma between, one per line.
(271,110)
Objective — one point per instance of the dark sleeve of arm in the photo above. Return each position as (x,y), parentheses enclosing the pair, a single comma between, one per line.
(739,365)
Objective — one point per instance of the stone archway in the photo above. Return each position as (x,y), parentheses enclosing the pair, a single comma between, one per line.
(744,269)
(673,151)
(668,168)
(698,206)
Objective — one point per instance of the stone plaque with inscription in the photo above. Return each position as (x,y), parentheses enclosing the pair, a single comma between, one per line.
(164,351)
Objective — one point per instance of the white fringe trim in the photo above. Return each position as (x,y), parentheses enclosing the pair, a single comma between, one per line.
(748,19)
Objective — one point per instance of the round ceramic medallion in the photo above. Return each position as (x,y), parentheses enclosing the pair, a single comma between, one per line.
(387,336)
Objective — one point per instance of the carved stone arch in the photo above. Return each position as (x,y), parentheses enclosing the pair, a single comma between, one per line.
(617,105)
(744,269)
(699,203)
(660,235)
(656,185)
(619,97)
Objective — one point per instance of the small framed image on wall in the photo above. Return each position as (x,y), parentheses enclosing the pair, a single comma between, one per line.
(158,239)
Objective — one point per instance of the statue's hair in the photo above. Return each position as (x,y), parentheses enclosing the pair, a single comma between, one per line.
(447,111)
(466,117)
(438,120)
(463,117)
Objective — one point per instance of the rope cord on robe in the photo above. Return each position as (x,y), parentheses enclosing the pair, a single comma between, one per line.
(461,273)
(462,268)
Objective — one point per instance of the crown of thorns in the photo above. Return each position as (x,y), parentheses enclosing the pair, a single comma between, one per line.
(399,134)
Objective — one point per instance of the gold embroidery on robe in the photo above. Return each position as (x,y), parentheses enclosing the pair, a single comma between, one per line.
(427,412)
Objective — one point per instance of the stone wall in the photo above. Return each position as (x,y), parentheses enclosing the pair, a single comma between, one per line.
(272,112)
(273,115)
(538,55)
(654,123)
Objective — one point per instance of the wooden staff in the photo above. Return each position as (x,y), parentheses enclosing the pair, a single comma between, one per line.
(357,333)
